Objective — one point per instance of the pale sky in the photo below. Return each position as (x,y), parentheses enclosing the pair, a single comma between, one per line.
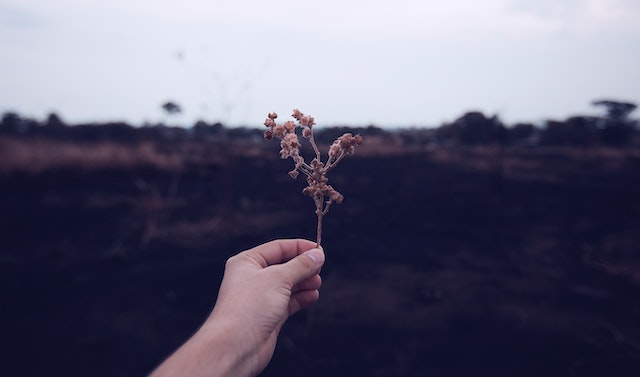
(356,62)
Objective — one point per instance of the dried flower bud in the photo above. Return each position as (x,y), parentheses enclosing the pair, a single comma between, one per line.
(316,164)
(291,140)
(268,134)
(345,140)
(289,126)
(290,146)
(347,143)
(335,196)
(278,131)
(334,150)
(306,133)
(294,174)
(273,115)
(297,114)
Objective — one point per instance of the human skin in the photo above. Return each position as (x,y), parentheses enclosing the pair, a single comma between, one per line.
(261,288)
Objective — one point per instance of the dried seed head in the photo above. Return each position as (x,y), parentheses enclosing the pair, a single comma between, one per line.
(290,146)
(297,114)
(316,170)
(269,122)
(334,150)
(278,131)
(334,195)
(346,144)
(291,140)
(316,164)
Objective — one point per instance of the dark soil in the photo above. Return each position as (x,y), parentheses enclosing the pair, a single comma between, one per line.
(439,263)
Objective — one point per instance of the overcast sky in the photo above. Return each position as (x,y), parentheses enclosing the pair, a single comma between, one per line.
(357,62)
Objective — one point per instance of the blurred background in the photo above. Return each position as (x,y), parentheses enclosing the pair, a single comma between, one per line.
(490,218)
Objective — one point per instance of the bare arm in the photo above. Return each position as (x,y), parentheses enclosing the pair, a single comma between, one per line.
(262,287)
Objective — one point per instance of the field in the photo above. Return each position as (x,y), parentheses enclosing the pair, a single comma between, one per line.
(441,261)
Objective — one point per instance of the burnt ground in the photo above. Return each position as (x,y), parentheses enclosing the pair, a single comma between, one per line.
(448,262)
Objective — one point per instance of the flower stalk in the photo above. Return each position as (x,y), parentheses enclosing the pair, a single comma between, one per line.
(318,189)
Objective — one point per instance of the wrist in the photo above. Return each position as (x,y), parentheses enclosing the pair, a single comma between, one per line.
(213,351)
(225,349)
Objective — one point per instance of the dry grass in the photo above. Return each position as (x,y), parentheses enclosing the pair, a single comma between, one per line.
(39,154)
(549,164)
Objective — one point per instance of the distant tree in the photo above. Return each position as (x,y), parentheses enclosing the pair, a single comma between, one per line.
(327,135)
(417,137)
(447,134)
(617,111)
(617,134)
(522,134)
(617,129)
(207,132)
(474,128)
(10,122)
(171,108)
(205,128)
(118,131)
(13,124)
(579,131)
(54,121)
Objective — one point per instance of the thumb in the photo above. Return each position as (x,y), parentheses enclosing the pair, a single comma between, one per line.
(303,266)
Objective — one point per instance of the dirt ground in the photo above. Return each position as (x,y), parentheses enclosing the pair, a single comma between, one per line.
(440,262)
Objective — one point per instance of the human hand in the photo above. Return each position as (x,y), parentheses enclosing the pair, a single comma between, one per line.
(261,288)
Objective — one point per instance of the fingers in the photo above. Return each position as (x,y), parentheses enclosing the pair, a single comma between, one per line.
(311,283)
(279,251)
(302,299)
(302,267)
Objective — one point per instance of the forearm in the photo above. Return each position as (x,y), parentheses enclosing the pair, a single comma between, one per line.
(214,351)
(261,288)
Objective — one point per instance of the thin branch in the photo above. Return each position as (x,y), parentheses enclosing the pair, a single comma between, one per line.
(316,171)
(326,207)
(333,162)
(313,144)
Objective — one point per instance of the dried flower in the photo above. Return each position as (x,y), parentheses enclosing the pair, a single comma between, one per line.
(317,188)
(297,114)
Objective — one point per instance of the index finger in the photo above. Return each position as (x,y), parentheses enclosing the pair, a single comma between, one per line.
(279,251)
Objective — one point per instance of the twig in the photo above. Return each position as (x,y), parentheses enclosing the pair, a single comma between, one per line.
(316,171)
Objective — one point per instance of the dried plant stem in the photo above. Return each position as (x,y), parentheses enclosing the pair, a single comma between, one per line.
(312,140)
(319,228)
(316,171)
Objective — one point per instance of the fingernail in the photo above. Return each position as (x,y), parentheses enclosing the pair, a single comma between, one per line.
(316,255)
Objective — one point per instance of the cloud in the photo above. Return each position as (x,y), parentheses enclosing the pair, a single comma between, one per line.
(14,16)
(408,60)
(579,17)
